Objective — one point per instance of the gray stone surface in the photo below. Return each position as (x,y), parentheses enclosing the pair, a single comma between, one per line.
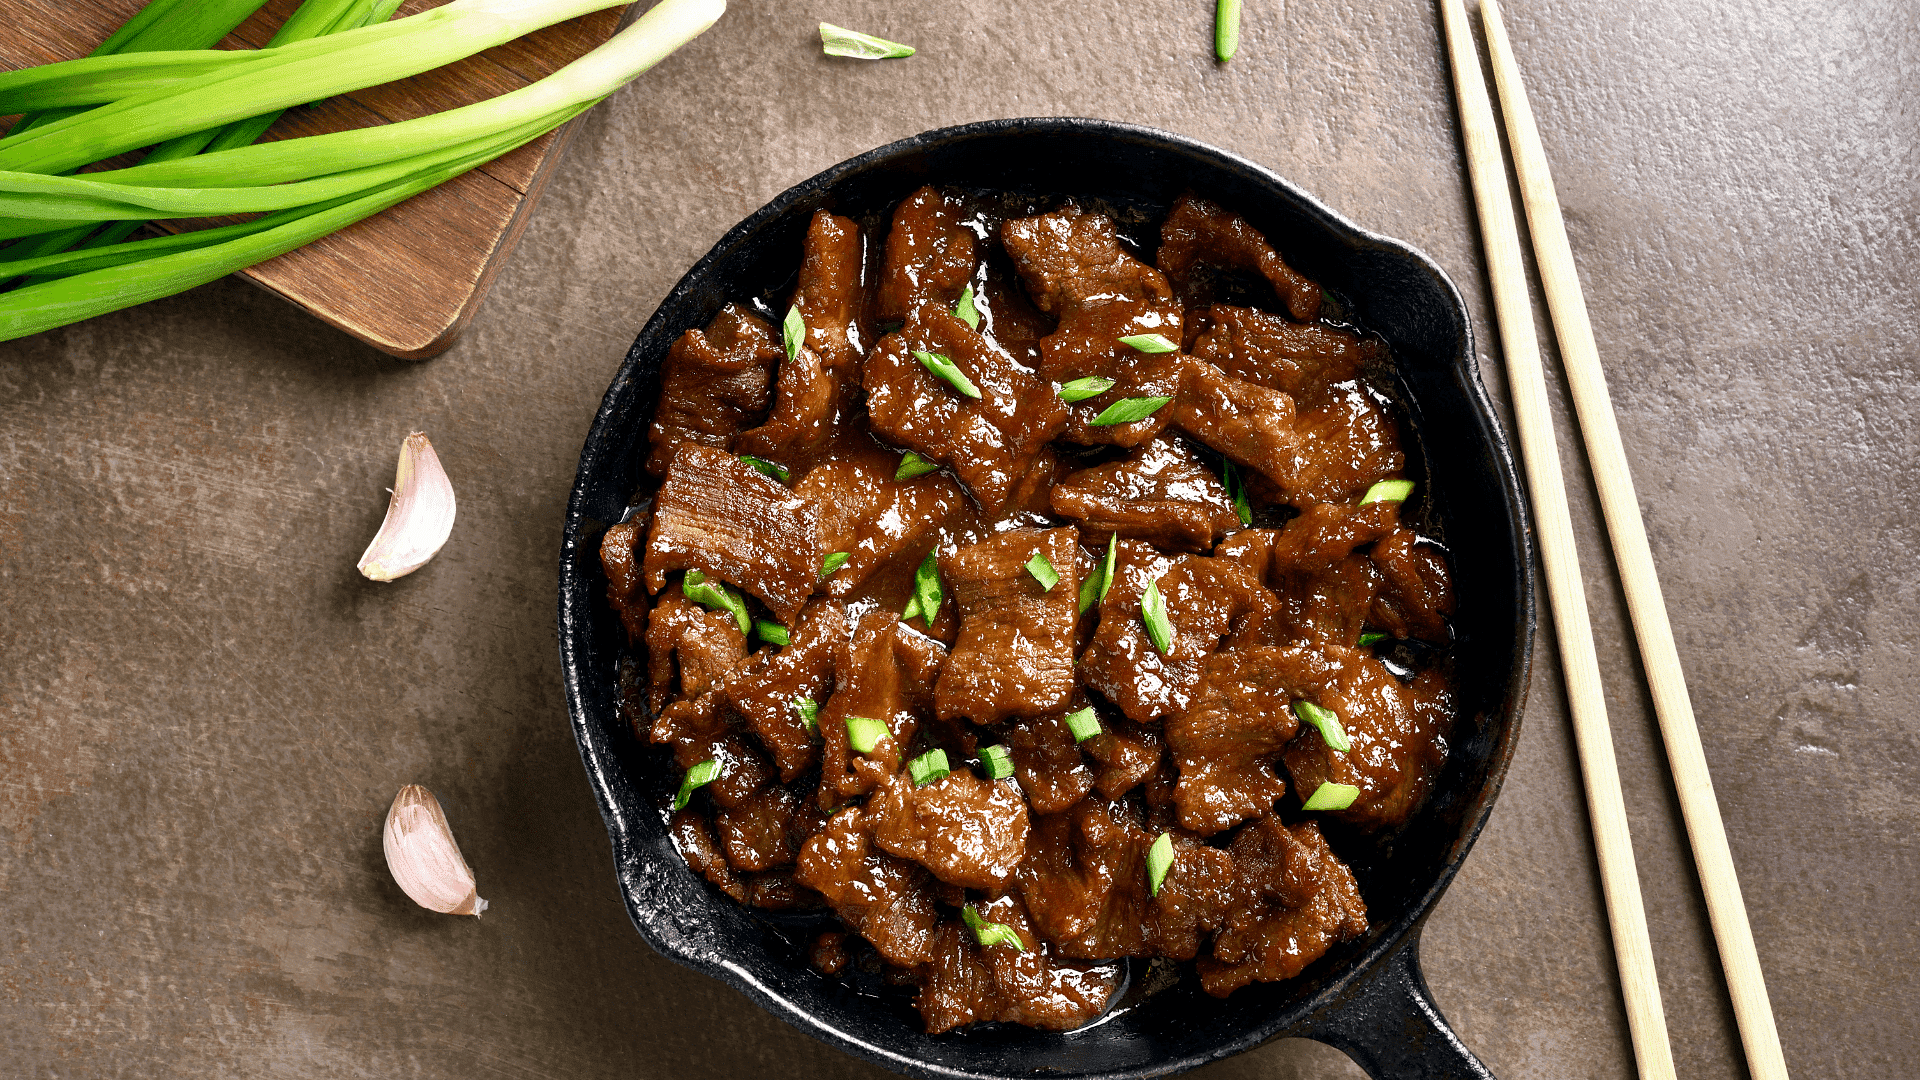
(204,712)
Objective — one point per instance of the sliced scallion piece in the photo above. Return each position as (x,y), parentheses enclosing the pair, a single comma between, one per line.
(1090,590)
(947,370)
(809,711)
(926,590)
(1082,389)
(1331,796)
(1388,491)
(1371,637)
(771,632)
(864,733)
(928,767)
(1150,343)
(998,761)
(793,331)
(840,41)
(1084,724)
(991,933)
(1159,861)
(1226,29)
(912,465)
(1042,570)
(834,561)
(964,310)
(717,595)
(697,777)
(1128,410)
(1327,722)
(771,468)
(1106,577)
(1236,486)
(1153,612)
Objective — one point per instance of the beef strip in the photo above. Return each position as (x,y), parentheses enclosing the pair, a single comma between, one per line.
(766,830)
(697,731)
(714,384)
(989,442)
(806,413)
(1070,258)
(887,899)
(968,831)
(1291,900)
(717,514)
(1010,319)
(696,844)
(1319,537)
(1243,421)
(967,983)
(1342,448)
(698,644)
(1323,606)
(1047,763)
(1303,362)
(830,295)
(1399,736)
(1126,753)
(1416,595)
(1227,744)
(624,592)
(1014,656)
(1161,494)
(763,692)
(872,517)
(930,255)
(888,676)
(1198,231)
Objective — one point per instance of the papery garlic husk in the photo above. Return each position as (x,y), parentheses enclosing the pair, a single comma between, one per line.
(424,859)
(419,517)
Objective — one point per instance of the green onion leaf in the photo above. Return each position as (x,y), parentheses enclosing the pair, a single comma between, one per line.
(771,468)
(928,767)
(834,561)
(864,734)
(1327,721)
(793,331)
(717,595)
(697,777)
(991,933)
(1370,637)
(912,465)
(1388,491)
(1106,579)
(809,711)
(1331,796)
(1042,571)
(1082,389)
(1236,491)
(1153,611)
(840,41)
(1090,590)
(771,632)
(1127,410)
(948,370)
(926,590)
(964,309)
(1159,861)
(1084,724)
(1150,343)
(1226,29)
(998,761)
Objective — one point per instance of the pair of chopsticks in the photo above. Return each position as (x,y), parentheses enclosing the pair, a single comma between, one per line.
(1566,592)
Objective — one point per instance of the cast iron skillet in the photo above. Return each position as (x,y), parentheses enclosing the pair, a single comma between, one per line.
(1366,997)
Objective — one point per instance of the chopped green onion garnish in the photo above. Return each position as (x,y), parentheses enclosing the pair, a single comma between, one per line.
(793,331)
(840,41)
(998,761)
(1237,491)
(1153,611)
(928,767)
(771,632)
(1084,724)
(964,310)
(865,734)
(926,590)
(717,595)
(697,777)
(1082,389)
(1127,410)
(1042,571)
(1388,491)
(1327,721)
(991,933)
(948,370)
(834,561)
(1106,579)
(1331,797)
(1226,29)
(809,711)
(1159,861)
(771,468)
(1150,343)
(1090,590)
(912,465)
(1370,637)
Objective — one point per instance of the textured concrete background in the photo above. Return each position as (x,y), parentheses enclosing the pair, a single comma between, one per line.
(204,712)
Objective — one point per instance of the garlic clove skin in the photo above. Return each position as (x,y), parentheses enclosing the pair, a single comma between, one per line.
(423,858)
(419,516)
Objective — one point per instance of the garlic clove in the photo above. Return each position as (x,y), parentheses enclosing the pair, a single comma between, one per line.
(419,517)
(424,859)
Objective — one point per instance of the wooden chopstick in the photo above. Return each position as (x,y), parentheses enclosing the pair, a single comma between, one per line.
(1746,985)
(1566,592)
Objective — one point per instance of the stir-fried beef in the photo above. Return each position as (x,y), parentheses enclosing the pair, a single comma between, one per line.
(1048,763)
(1228,744)
(970,832)
(1161,494)
(696,844)
(872,518)
(1292,900)
(886,898)
(1398,731)
(715,384)
(1127,754)
(805,409)
(1015,652)
(1416,595)
(830,295)
(1247,423)
(1198,231)
(624,582)
(1343,447)
(1324,605)
(1070,258)
(768,691)
(887,676)
(698,644)
(721,516)
(1304,362)
(930,255)
(698,732)
(967,983)
(766,830)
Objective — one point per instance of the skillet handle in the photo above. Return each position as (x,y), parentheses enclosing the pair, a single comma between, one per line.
(1388,1025)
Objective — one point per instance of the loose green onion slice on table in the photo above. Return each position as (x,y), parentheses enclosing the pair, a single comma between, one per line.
(840,41)
(717,595)
(912,465)
(1236,486)
(1331,796)
(771,468)
(1371,637)
(1150,343)
(1159,861)
(1127,410)
(926,590)
(1326,721)
(991,933)
(697,777)
(1153,612)
(1226,29)
(928,767)
(947,370)
(793,331)
(834,561)
(964,310)
(863,733)
(998,761)
(771,632)
(1388,491)
(809,711)
(1084,724)
(1082,389)
(1042,571)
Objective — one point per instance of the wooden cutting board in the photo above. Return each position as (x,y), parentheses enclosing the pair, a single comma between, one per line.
(406,280)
